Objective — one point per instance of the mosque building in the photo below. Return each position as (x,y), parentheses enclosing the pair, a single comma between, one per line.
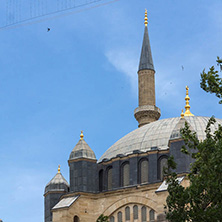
(127,182)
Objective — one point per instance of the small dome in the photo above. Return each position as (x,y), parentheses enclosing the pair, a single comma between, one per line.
(57,183)
(156,135)
(82,150)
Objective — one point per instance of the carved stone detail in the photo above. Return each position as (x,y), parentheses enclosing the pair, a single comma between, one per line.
(146,114)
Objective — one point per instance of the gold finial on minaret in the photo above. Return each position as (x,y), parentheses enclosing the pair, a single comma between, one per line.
(182,114)
(145,19)
(81,135)
(187,107)
(59,169)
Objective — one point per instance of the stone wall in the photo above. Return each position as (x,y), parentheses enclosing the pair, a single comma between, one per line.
(88,207)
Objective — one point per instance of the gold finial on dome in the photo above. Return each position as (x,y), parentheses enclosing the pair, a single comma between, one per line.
(59,169)
(187,107)
(81,135)
(182,114)
(145,19)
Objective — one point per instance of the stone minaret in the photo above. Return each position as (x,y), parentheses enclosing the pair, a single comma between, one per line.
(147,111)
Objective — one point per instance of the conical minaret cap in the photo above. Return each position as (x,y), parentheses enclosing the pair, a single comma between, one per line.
(82,150)
(146,60)
(57,183)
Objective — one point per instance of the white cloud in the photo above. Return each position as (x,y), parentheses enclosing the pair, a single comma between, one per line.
(126,62)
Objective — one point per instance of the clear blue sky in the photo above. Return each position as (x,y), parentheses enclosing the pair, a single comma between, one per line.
(82,75)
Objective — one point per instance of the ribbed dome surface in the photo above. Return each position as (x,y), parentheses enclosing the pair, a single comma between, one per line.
(57,183)
(82,150)
(156,135)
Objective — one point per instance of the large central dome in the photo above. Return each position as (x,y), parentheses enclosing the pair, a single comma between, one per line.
(156,135)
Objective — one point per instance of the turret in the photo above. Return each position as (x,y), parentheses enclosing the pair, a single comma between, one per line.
(176,141)
(56,187)
(147,111)
(82,168)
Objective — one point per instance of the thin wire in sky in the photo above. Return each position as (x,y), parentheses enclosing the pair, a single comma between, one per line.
(52,15)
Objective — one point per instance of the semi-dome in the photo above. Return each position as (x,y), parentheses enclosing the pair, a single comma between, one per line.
(156,135)
(57,183)
(82,150)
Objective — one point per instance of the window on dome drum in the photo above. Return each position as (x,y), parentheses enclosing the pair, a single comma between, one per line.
(76,219)
(135,212)
(119,215)
(109,178)
(143,171)
(127,213)
(112,219)
(143,212)
(162,163)
(101,180)
(125,174)
(152,215)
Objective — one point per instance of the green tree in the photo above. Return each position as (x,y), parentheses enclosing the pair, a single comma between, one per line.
(102,218)
(211,81)
(202,200)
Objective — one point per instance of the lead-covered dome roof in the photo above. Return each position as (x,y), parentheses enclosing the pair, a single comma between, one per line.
(57,183)
(82,150)
(156,135)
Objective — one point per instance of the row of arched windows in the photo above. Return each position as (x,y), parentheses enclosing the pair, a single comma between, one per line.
(135,215)
(143,168)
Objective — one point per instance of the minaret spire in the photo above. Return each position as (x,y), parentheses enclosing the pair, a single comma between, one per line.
(147,111)
(146,60)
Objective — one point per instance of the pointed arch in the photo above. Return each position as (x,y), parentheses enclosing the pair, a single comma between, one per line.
(120,216)
(143,170)
(127,213)
(144,214)
(162,162)
(101,180)
(76,219)
(109,176)
(152,215)
(125,174)
(135,212)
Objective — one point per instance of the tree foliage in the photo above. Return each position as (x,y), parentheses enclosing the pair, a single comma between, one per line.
(102,218)
(211,81)
(202,200)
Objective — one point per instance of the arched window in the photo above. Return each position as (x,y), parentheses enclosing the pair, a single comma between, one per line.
(125,174)
(135,212)
(152,215)
(127,213)
(143,171)
(76,219)
(162,163)
(101,180)
(143,212)
(112,219)
(109,178)
(119,215)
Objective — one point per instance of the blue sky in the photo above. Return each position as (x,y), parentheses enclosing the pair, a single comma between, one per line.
(82,75)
